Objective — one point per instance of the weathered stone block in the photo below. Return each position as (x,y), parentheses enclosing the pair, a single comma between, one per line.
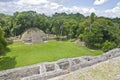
(64,64)
(50,67)
(45,76)
(16,74)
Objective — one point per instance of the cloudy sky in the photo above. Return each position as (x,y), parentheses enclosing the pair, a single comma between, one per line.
(108,8)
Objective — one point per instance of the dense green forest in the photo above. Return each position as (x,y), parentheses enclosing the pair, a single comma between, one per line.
(97,32)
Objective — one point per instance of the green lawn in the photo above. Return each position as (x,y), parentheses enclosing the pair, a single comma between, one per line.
(22,54)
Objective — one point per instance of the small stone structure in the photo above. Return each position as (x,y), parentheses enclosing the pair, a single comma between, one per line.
(47,70)
(78,41)
(33,36)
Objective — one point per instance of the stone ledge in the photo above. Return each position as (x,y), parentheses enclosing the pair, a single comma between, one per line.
(47,70)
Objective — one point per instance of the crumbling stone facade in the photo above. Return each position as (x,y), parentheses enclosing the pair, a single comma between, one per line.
(47,70)
(33,36)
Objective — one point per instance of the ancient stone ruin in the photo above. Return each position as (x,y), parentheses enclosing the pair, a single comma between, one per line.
(33,36)
(47,70)
(79,42)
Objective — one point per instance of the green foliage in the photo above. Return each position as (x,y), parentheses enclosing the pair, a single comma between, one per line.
(101,30)
(107,45)
(6,24)
(3,42)
(27,19)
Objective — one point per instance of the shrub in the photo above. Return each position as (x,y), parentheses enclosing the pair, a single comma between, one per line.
(107,45)
(3,42)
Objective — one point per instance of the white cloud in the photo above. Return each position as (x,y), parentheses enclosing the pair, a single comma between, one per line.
(41,6)
(114,12)
(59,1)
(32,2)
(99,2)
(49,7)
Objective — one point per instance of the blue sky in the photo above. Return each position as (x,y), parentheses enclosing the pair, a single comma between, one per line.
(90,3)
(107,8)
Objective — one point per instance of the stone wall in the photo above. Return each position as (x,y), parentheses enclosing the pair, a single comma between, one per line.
(44,71)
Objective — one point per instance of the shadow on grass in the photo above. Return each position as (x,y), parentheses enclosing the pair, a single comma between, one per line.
(7,62)
(5,51)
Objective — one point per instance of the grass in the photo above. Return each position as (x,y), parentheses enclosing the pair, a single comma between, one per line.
(22,54)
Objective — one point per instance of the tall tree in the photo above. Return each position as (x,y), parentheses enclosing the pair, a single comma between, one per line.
(92,18)
(3,42)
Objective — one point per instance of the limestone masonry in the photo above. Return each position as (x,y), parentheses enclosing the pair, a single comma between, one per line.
(47,70)
(33,36)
